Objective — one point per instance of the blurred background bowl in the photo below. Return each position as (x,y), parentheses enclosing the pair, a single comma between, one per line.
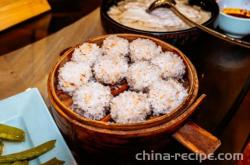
(234,26)
(181,38)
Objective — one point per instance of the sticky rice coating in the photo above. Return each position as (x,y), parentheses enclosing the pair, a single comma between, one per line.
(114,45)
(91,100)
(165,96)
(110,69)
(87,52)
(143,49)
(72,75)
(129,107)
(171,65)
(142,74)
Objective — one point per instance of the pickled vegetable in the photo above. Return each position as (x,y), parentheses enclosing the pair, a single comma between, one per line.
(21,163)
(54,161)
(17,163)
(11,133)
(28,154)
(1,147)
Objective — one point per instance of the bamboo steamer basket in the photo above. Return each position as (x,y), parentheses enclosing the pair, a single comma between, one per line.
(103,136)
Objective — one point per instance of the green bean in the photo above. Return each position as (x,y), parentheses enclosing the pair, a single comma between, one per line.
(17,163)
(11,133)
(28,154)
(21,163)
(54,161)
(1,147)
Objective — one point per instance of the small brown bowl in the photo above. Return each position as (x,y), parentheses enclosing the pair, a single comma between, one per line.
(101,136)
(181,38)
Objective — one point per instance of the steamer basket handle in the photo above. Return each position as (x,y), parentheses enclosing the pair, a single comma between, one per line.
(195,138)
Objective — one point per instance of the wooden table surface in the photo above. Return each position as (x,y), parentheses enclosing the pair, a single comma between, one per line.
(29,66)
(223,71)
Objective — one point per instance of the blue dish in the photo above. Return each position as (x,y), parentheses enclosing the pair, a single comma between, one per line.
(28,111)
(234,26)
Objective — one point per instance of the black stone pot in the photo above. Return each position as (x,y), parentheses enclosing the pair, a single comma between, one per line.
(181,38)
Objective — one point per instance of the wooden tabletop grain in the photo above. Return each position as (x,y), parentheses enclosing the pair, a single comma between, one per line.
(29,66)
